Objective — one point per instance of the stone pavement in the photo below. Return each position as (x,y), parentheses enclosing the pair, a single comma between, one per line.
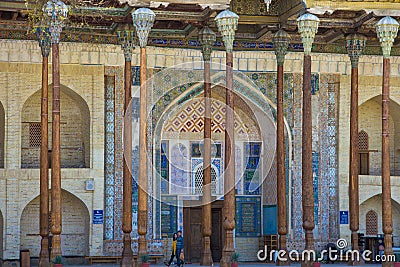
(246,264)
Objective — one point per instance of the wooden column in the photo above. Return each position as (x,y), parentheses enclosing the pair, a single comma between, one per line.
(206,257)
(281,170)
(229,209)
(387,224)
(281,41)
(143,170)
(354,168)
(127,254)
(56,205)
(126,40)
(307,176)
(355,45)
(44,43)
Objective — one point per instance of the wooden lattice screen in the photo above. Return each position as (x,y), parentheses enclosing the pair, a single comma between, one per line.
(371,223)
(34,134)
(362,140)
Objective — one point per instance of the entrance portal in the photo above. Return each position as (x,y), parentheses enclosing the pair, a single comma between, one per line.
(192,218)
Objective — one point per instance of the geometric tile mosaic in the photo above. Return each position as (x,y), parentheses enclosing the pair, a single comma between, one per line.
(190,119)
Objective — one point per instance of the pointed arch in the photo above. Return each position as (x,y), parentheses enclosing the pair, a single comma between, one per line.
(75,226)
(75,130)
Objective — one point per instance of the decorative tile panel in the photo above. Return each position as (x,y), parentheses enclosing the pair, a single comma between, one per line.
(109,158)
(180,174)
(248,216)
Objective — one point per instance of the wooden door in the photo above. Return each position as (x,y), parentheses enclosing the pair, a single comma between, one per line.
(192,234)
(364,163)
(192,227)
(216,236)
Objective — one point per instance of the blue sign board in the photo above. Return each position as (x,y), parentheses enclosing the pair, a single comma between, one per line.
(344,217)
(98,217)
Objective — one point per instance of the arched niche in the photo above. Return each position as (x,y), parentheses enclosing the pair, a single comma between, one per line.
(370,121)
(2,134)
(75,226)
(1,235)
(374,204)
(75,130)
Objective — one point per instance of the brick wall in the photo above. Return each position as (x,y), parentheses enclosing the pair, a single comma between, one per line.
(83,85)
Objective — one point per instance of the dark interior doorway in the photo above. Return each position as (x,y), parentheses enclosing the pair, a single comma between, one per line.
(192,225)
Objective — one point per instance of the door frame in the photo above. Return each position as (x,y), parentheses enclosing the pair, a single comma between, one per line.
(190,204)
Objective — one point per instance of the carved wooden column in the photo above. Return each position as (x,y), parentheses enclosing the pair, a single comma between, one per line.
(207,38)
(355,45)
(44,43)
(126,39)
(227,24)
(57,12)
(143,19)
(386,29)
(281,41)
(308,27)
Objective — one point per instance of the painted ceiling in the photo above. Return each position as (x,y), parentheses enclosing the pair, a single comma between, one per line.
(178,21)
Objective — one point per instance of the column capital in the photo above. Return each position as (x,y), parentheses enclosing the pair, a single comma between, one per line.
(206,38)
(43,38)
(57,13)
(355,46)
(126,38)
(308,27)
(281,42)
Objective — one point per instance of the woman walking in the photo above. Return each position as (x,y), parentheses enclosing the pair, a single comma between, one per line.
(174,237)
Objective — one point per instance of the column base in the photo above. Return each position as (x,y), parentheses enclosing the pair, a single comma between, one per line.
(387,264)
(56,246)
(44,252)
(307,264)
(228,249)
(142,248)
(127,253)
(206,258)
(356,262)
(285,260)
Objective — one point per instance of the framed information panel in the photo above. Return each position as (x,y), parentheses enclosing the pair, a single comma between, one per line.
(169,215)
(248,216)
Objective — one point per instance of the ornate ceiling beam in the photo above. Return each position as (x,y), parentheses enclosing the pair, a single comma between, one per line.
(258,19)
(333,35)
(216,4)
(378,7)
(289,11)
(184,16)
(363,18)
